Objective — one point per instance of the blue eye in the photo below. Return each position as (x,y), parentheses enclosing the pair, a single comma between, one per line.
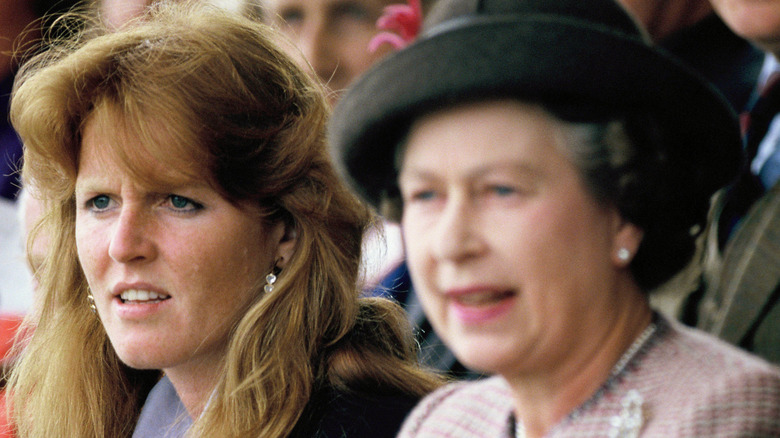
(503,190)
(179,201)
(100,202)
(182,203)
(425,195)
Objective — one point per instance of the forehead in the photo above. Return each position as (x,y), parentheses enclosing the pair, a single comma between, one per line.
(481,132)
(141,146)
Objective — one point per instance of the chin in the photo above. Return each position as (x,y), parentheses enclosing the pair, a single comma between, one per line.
(484,359)
(139,358)
(140,363)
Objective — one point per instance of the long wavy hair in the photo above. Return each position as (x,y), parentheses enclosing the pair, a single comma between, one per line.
(239,112)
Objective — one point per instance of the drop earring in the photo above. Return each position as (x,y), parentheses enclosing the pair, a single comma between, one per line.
(91,302)
(270,279)
(623,254)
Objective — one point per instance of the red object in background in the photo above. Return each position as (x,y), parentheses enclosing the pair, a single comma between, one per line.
(406,20)
(5,427)
(9,325)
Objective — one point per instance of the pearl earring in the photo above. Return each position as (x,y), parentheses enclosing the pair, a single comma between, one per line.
(270,279)
(623,254)
(91,302)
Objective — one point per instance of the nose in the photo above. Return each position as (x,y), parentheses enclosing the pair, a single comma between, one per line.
(456,235)
(131,238)
(318,44)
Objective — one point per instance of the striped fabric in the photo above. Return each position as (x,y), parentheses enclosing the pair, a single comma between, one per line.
(688,383)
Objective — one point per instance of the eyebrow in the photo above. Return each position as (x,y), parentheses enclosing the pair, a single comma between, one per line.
(480,171)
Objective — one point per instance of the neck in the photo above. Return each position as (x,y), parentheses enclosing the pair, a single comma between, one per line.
(194,387)
(544,399)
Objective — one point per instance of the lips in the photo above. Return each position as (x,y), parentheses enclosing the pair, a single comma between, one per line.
(480,305)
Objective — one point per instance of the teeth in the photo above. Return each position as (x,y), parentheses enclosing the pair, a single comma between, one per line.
(480,299)
(141,295)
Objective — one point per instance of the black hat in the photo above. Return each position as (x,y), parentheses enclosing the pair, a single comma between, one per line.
(542,50)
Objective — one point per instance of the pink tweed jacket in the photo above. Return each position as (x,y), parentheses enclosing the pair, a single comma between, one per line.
(682,383)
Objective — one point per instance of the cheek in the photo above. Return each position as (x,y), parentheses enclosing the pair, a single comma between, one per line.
(570,252)
(415,241)
(544,242)
(422,273)
(249,263)
(422,267)
(90,244)
(568,223)
(240,262)
(525,236)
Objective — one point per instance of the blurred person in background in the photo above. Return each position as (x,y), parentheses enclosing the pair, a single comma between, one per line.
(693,32)
(741,300)
(331,36)
(339,40)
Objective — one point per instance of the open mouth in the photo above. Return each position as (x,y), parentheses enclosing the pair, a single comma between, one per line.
(483,299)
(133,296)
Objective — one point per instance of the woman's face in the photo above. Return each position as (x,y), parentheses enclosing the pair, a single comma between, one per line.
(514,261)
(171,268)
(332,35)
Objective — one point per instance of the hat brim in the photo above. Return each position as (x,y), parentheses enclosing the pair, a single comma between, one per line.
(536,58)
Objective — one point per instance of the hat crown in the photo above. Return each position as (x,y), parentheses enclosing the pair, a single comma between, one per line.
(587,53)
(602,13)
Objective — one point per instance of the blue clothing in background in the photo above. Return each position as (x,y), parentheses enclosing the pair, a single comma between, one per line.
(10,145)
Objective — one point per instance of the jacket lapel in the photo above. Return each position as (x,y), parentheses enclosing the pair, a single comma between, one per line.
(751,269)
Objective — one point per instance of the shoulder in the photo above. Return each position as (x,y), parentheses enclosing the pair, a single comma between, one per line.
(702,386)
(341,414)
(463,409)
(706,354)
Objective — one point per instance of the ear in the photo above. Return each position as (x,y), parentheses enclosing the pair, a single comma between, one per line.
(287,238)
(625,244)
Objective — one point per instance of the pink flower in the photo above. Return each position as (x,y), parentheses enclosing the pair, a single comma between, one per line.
(406,20)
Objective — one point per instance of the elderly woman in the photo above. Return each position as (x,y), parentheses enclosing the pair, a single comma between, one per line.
(548,168)
(202,272)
